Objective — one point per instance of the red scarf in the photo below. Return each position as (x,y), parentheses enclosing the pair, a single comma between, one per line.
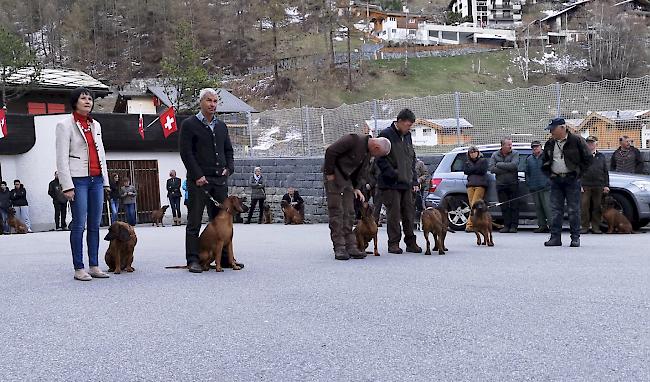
(84,121)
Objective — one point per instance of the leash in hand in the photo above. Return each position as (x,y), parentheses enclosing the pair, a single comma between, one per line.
(213,200)
(517,198)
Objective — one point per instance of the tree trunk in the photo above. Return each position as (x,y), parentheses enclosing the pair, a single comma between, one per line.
(276,76)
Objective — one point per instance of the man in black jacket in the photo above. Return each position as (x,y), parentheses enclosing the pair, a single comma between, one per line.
(627,158)
(60,202)
(207,153)
(174,196)
(294,199)
(565,159)
(5,205)
(595,183)
(397,182)
(18,198)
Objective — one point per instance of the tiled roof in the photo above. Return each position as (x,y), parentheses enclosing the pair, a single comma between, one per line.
(58,78)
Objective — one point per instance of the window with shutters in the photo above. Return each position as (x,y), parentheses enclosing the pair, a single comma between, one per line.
(35,108)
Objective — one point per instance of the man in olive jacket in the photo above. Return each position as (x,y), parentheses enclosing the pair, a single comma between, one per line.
(208,156)
(345,169)
(565,159)
(397,182)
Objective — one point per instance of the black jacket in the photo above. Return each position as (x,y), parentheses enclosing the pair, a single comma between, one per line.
(596,174)
(633,164)
(398,167)
(115,190)
(476,172)
(296,199)
(5,200)
(19,197)
(206,153)
(576,155)
(174,187)
(55,191)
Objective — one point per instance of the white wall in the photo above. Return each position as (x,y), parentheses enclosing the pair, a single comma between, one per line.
(140,105)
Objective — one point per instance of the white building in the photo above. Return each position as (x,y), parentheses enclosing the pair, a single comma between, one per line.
(426,132)
(489,13)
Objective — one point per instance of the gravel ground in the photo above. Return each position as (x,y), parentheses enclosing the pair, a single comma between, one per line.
(517,311)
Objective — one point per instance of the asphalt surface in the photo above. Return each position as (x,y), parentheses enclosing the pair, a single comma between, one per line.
(517,311)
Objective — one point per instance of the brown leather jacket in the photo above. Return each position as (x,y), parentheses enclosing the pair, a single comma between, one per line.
(348,158)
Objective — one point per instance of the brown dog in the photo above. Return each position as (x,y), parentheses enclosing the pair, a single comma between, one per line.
(482,222)
(291,214)
(218,234)
(434,221)
(15,223)
(267,216)
(616,221)
(119,255)
(366,229)
(157,216)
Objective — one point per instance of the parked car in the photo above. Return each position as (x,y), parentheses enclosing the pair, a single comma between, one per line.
(448,183)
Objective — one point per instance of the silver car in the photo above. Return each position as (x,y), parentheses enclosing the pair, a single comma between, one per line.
(448,183)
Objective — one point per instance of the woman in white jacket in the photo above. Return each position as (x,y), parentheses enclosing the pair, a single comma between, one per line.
(81,163)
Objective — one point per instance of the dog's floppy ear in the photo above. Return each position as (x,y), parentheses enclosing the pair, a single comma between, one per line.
(123,234)
(110,235)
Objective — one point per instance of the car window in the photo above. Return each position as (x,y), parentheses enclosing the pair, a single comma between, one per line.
(459,162)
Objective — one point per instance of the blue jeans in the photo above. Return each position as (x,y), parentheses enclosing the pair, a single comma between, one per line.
(115,207)
(4,215)
(86,211)
(567,188)
(175,204)
(130,213)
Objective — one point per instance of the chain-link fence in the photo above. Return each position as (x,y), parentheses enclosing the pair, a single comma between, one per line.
(607,109)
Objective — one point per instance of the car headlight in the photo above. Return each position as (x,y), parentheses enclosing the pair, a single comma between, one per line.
(642,185)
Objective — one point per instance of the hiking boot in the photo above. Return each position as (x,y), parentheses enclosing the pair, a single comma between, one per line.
(413,248)
(543,229)
(512,230)
(354,252)
(341,254)
(553,242)
(194,268)
(584,231)
(505,230)
(395,249)
(575,243)
(82,275)
(97,273)
(596,231)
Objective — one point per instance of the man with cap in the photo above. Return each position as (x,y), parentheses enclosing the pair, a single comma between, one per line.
(347,162)
(539,186)
(565,159)
(595,183)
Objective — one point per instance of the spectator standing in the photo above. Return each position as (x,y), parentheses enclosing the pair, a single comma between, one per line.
(595,183)
(5,205)
(398,181)
(504,164)
(174,196)
(258,194)
(18,198)
(475,167)
(539,185)
(627,158)
(128,196)
(60,202)
(566,157)
(114,196)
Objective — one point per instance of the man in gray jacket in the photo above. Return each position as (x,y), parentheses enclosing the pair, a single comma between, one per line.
(504,165)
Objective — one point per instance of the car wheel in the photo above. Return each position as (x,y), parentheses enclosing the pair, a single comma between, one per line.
(458,211)
(627,208)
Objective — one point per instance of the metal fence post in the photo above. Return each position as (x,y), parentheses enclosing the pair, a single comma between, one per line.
(558,92)
(308,126)
(374,116)
(250,133)
(457,104)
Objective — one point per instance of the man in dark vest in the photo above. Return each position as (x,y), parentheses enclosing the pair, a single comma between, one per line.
(565,159)
(397,182)
(60,202)
(347,162)
(208,156)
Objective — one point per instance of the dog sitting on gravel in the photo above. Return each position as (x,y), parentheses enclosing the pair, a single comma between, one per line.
(366,229)
(14,223)
(616,221)
(435,222)
(291,214)
(158,215)
(482,223)
(218,234)
(119,255)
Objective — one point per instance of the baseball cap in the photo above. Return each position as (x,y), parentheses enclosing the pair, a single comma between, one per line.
(592,138)
(535,144)
(555,122)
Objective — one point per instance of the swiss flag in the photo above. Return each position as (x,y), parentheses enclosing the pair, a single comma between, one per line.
(3,123)
(141,127)
(168,122)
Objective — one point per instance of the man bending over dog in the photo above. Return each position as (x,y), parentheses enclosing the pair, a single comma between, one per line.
(207,153)
(347,162)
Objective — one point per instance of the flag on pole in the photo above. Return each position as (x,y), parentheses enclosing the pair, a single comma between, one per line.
(168,122)
(3,123)
(141,127)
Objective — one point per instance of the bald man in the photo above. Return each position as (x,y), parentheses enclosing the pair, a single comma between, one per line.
(347,162)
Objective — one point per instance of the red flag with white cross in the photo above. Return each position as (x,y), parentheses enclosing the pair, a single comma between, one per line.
(168,122)
(3,123)
(141,127)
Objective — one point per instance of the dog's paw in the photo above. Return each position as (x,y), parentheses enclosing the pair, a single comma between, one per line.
(218,269)
(490,244)
(236,267)
(428,253)
(441,253)
(130,269)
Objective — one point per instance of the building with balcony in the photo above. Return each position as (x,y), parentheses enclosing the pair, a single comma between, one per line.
(489,13)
